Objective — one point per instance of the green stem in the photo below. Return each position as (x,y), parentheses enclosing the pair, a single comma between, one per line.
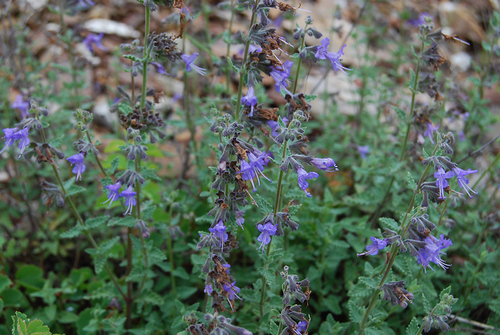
(405,224)
(298,65)
(402,155)
(97,157)
(243,65)
(80,219)
(145,59)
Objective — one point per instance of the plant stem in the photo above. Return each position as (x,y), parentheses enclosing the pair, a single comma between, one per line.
(243,65)
(298,65)
(80,219)
(145,58)
(96,157)
(405,224)
(171,253)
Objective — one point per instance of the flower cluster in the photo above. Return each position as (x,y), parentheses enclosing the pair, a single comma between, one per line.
(16,134)
(294,320)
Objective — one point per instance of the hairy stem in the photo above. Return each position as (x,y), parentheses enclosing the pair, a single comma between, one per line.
(228,67)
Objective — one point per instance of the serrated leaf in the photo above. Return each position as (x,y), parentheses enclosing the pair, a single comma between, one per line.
(152,298)
(99,262)
(390,223)
(411,182)
(150,174)
(230,62)
(425,303)
(444,292)
(97,221)
(401,113)
(127,221)
(413,327)
(369,282)
(73,232)
(355,313)
(75,189)
(114,165)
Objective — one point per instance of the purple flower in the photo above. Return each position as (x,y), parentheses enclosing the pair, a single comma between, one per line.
(372,249)
(419,21)
(219,230)
(334,57)
(432,252)
(266,231)
(159,68)
(302,176)
(462,181)
(208,289)
(113,195)
(228,267)
(325,164)
(441,181)
(130,201)
(21,106)
(240,220)
(301,327)
(232,290)
(93,39)
(250,99)
(12,134)
(430,131)
(281,76)
(176,97)
(78,167)
(273,125)
(363,150)
(253,169)
(189,60)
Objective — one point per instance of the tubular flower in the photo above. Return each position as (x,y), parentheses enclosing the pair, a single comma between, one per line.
(189,60)
(78,167)
(12,134)
(250,100)
(113,195)
(334,57)
(266,231)
(302,176)
(281,76)
(21,106)
(441,181)
(372,249)
(130,201)
(430,131)
(432,252)
(325,164)
(462,181)
(219,230)
(93,39)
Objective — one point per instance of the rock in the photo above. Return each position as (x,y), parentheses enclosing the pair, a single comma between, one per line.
(111,27)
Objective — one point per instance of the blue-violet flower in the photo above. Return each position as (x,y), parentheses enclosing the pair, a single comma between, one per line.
(219,230)
(363,150)
(372,249)
(114,190)
(462,181)
(302,176)
(441,181)
(325,164)
(21,105)
(78,167)
(93,39)
(189,60)
(266,231)
(250,100)
(130,201)
(432,252)
(281,76)
(430,131)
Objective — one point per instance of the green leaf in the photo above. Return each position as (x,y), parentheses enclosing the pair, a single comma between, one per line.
(30,276)
(181,273)
(73,232)
(127,221)
(401,114)
(150,174)
(114,165)
(4,282)
(425,303)
(75,189)
(444,292)
(411,182)
(390,223)
(97,221)
(413,327)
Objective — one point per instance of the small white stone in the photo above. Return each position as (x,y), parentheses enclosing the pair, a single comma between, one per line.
(111,27)
(461,61)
